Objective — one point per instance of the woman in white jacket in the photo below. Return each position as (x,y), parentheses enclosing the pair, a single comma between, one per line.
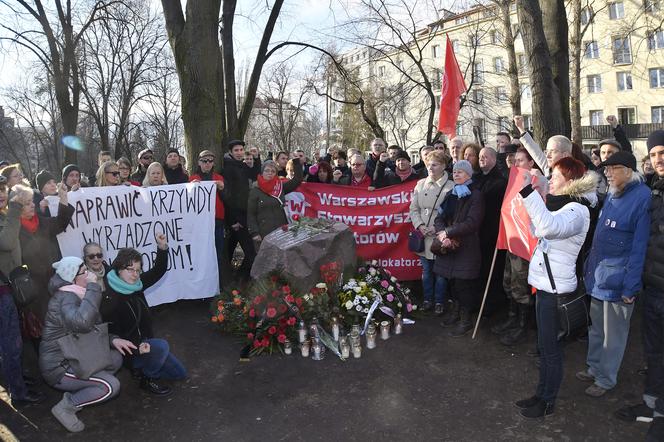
(560,224)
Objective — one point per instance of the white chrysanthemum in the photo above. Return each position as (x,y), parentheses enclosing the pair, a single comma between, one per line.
(321,285)
(414,307)
(393,279)
(357,289)
(390,289)
(399,305)
(363,284)
(358,308)
(366,310)
(349,305)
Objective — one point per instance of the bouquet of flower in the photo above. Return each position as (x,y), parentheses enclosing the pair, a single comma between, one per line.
(395,297)
(316,304)
(229,311)
(355,299)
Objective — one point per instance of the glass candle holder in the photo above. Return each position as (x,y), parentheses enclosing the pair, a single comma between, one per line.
(371,338)
(304,348)
(354,338)
(335,328)
(316,350)
(344,347)
(398,324)
(288,347)
(357,351)
(301,332)
(356,328)
(385,330)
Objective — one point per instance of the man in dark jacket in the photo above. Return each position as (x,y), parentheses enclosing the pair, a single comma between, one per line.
(653,299)
(492,184)
(175,173)
(359,176)
(145,157)
(237,176)
(377,147)
(403,171)
(613,270)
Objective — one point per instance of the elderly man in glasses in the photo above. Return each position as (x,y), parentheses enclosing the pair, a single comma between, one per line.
(205,172)
(145,158)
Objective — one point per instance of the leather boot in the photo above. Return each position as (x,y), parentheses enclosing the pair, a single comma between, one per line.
(511,322)
(464,325)
(519,334)
(151,385)
(451,316)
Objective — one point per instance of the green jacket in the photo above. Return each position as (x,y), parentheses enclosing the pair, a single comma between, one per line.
(10,248)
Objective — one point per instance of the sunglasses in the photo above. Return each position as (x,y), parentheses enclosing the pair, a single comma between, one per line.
(95,255)
(116,174)
(206,161)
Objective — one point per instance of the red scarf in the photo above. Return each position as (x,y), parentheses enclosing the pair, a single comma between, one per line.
(272,187)
(31,225)
(364,182)
(403,174)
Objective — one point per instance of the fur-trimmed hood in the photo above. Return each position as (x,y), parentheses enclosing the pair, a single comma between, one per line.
(584,187)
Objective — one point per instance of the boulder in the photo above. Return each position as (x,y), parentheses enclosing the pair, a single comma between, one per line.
(298,252)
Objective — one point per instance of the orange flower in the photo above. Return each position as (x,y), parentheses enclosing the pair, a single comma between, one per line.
(235,293)
(214,319)
(220,317)
(237,301)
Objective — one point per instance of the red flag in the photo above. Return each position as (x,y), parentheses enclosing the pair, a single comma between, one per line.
(453,87)
(514,233)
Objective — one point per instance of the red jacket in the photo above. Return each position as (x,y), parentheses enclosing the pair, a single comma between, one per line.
(219,207)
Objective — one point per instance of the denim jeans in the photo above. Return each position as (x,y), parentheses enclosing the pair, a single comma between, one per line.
(653,343)
(11,345)
(607,338)
(434,285)
(159,363)
(551,354)
(219,246)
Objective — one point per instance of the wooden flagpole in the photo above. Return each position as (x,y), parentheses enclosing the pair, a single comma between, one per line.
(486,291)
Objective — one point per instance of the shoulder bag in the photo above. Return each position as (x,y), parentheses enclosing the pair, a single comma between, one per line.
(87,353)
(23,288)
(573,309)
(415,237)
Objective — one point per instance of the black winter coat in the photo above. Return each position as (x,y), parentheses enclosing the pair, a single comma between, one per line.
(653,272)
(383,176)
(175,176)
(463,224)
(129,315)
(493,186)
(237,178)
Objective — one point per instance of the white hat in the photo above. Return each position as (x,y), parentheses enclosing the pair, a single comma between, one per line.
(67,267)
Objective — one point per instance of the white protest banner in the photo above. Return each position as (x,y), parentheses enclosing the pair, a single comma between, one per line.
(130,216)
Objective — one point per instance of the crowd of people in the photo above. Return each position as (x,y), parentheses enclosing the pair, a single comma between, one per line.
(599,223)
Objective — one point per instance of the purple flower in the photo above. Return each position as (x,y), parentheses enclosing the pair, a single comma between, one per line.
(409,307)
(390,298)
(385,284)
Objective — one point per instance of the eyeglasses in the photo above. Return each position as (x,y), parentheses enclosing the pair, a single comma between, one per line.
(115,174)
(147,157)
(206,161)
(124,168)
(83,272)
(3,179)
(95,255)
(133,270)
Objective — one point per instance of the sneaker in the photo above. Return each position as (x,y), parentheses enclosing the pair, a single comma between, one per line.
(595,391)
(656,430)
(585,376)
(527,403)
(640,412)
(540,409)
(438,310)
(150,385)
(426,306)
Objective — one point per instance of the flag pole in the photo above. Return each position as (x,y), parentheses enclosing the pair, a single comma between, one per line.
(486,291)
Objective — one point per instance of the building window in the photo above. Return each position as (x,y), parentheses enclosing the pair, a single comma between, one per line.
(627,115)
(594,83)
(436,51)
(657,114)
(496,38)
(501,94)
(526,93)
(624,81)
(455,46)
(515,30)
(382,92)
(459,128)
(651,5)
(522,62)
(656,77)
(381,71)
(655,40)
(436,79)
(528,121)
(474,40)
(596,117)
(503,124)
(478,73)
(586,15)
(622,53)
(461,20)
(616,11)
(437,101)
(498,65)
(481,124)
(478,96)
(592,49)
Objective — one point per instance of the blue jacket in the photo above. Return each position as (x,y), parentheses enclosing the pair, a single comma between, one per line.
(615,263)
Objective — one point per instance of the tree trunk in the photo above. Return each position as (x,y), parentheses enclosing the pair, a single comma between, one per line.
(575,69)
(557,37)
(547,113)
(512,67)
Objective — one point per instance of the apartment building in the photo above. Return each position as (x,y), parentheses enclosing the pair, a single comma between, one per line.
(622,73)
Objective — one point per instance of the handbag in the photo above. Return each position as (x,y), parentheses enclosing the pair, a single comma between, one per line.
(24,290)
(415,237)
(87,353)
(573,311)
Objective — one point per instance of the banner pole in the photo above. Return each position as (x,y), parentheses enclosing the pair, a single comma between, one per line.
(486,291)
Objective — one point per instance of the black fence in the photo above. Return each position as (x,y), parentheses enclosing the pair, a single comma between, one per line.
(633,131)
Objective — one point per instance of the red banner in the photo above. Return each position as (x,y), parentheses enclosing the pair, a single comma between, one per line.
(379,219)
(514,233)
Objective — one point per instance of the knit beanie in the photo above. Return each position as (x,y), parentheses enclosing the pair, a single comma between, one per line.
(402,154)
(42,178)
(69,168)
(172,150)
(67,267)
(655,139)
(465,166)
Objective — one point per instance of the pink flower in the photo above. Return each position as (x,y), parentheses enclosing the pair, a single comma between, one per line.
(385,284)
(252,313)
(390,298)
(409,307)
(271,312)
(272,330)
(281,338)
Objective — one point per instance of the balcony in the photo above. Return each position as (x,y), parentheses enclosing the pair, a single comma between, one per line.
(633,131)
